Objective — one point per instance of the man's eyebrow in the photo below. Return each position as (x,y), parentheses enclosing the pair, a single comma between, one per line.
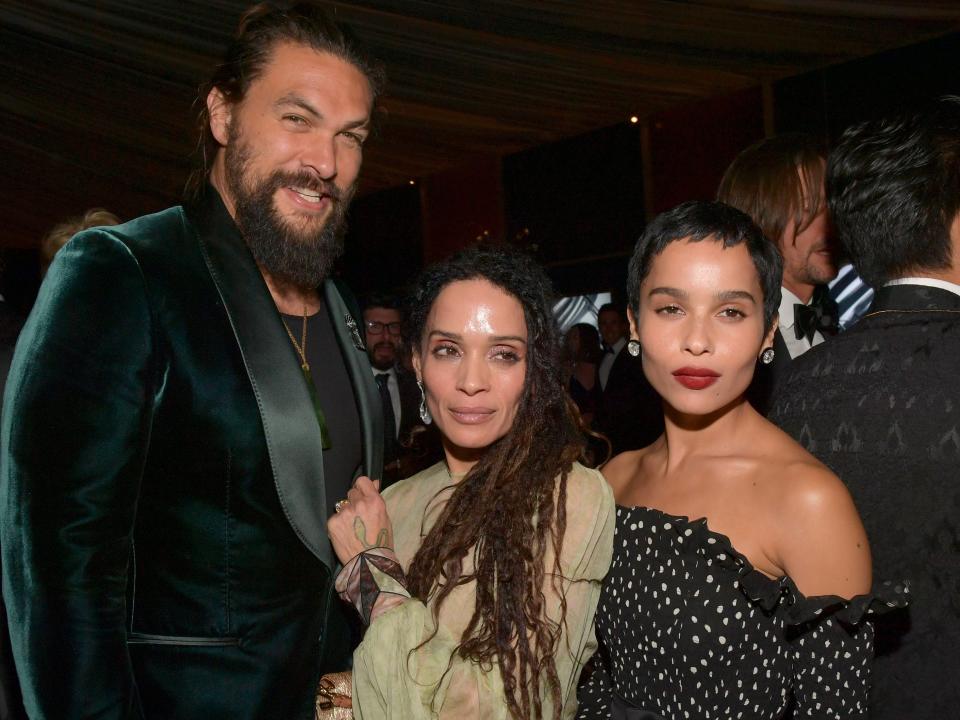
(672,292)
(727,295)
(298,101)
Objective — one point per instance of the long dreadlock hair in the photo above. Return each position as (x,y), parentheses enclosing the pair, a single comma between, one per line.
(511,506)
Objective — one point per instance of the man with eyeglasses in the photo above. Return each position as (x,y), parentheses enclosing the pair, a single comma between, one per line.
(408,445)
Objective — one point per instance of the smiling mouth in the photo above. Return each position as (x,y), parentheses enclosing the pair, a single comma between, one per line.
(311,196)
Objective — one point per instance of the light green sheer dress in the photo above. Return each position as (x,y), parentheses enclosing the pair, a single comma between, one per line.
(390,682)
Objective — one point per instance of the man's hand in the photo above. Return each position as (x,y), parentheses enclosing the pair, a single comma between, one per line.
(362,522)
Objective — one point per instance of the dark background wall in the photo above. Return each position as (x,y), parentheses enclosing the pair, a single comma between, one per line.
(578,205)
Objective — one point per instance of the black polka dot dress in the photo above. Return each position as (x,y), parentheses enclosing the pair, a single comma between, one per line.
(689,630)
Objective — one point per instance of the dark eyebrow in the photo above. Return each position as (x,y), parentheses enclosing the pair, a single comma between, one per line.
(672,292)
(445,334)
(494,339)
(297,101)
(728,295)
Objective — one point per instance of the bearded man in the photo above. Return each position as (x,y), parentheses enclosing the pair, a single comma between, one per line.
(189,397)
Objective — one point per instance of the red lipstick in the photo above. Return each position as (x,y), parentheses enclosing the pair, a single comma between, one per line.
(696,378)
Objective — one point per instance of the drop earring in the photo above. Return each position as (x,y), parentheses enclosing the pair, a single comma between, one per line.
(766,357)
(633,347)
(424,412)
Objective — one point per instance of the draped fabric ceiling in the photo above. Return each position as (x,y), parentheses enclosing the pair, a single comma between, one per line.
(95,101)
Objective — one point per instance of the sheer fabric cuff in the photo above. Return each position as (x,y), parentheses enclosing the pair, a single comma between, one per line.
(373,582)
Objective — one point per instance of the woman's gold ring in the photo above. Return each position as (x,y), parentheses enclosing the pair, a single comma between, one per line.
(339,506)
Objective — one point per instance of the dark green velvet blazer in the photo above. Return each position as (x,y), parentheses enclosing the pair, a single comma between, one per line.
(161,487)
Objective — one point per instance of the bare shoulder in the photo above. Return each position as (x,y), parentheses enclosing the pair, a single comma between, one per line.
(622,469)
(804,483)
(820,540)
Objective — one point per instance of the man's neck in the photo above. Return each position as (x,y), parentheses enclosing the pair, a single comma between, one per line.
(803,291)
(291,299)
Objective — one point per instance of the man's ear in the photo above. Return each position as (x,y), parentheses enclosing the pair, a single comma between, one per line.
(634,332)
(220,111)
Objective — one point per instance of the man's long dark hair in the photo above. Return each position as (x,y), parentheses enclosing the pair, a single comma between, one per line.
(511,506)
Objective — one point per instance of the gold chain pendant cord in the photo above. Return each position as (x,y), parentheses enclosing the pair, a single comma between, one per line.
(301,349)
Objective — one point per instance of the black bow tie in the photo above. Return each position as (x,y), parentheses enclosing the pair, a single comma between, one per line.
(821,314)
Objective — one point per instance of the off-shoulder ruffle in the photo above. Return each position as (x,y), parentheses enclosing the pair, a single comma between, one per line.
(780,594)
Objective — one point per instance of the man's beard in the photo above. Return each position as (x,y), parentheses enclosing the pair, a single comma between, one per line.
(302,256)
(382,364)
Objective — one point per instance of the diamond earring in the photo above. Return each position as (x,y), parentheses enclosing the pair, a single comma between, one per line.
(424,413)
(633,347)
(766,357)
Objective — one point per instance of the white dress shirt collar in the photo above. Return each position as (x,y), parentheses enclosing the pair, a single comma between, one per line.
(928,281)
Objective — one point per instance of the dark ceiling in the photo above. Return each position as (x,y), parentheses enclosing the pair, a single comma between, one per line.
(95,96)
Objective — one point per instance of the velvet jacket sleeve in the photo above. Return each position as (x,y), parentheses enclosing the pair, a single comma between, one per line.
(76,424)
(392,682)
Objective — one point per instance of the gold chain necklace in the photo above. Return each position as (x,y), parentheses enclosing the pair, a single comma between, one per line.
(300,347)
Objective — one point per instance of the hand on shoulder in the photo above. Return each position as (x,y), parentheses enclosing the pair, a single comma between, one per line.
(821,542)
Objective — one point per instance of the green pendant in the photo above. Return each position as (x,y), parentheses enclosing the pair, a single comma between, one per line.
(318,411)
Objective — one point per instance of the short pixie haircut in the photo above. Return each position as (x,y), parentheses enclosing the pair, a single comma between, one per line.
(696,221)
(893,187)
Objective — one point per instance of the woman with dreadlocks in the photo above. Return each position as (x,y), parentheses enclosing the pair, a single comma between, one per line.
(479,577)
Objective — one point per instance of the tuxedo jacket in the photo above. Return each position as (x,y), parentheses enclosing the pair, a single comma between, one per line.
(629,411)
(409,402)
(763,387)
(418,446)
(879,404)
(162,487)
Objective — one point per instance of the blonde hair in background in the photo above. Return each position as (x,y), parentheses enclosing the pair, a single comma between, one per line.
(62,232)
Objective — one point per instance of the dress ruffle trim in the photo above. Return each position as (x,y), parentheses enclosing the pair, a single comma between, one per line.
(781,593)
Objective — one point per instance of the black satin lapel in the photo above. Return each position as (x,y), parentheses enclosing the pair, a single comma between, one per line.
(347,329)
(289,422)
(913,298)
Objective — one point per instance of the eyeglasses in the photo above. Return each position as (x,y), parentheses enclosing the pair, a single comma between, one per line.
(375,327)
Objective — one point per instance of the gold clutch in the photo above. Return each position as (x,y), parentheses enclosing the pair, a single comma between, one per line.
(334,697)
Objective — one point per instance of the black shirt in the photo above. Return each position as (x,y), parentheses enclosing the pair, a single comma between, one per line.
(342,462)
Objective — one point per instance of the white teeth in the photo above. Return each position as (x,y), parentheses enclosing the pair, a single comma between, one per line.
(311,195)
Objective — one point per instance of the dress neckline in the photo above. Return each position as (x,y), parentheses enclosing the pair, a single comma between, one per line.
(768,592)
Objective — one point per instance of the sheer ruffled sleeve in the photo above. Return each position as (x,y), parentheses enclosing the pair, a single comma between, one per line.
(398,677)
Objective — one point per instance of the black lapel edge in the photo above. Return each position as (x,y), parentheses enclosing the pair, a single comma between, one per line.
(296,456)
(347,328)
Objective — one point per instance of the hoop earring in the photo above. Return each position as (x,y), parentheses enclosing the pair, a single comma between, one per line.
(633,347)
(424,412)
(766,357)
